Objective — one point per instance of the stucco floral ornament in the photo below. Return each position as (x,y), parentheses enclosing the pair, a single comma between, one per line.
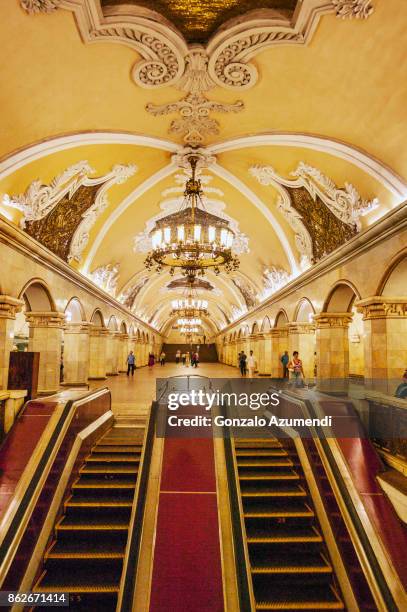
(349,9)
(40,6)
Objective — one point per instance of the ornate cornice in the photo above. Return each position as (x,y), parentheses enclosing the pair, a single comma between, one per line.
(226,61)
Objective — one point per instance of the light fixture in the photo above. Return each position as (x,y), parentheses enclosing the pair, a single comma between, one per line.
(192,239)
(189,321)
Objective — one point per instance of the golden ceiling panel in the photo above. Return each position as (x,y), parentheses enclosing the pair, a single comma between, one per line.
(198,20)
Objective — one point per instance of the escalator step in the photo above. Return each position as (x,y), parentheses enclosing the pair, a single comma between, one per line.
(311,597)
(261,453)
(281,534)
(115,448)
(291,475)
(298,492)
(108,469)
(71,526)
(114,458)
(97,504)
(264,511)
(103,484)
(264,463)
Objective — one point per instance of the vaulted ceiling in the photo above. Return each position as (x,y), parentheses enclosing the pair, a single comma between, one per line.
(273,92)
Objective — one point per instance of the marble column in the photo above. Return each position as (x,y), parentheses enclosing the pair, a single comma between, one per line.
(260,357)
(97,352)
(332,340)
(46,338)
(124,350)
(112,353)
(301,338)
(279,344)
(76,354)
(9,307)
(385,341)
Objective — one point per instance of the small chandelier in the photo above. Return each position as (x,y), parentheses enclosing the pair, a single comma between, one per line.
(189,330)
(192,239)
(189,322)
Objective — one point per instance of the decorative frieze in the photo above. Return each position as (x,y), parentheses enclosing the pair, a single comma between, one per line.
(379,307)
(45,319)
(299,327)
(332,319)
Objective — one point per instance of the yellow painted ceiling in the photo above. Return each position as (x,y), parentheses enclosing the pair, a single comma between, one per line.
(347,84)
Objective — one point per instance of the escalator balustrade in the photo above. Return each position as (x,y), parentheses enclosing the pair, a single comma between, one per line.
(85,557)
(289,564)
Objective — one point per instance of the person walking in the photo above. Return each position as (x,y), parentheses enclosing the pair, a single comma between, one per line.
(184,358)
(162,358)
(196,359)
(242,363)
(285,358)
(296,370)
(177,356)
(187,359)
(251,363)
(151,360)
(131,363)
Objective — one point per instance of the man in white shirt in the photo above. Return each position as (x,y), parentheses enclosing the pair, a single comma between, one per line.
(251,364)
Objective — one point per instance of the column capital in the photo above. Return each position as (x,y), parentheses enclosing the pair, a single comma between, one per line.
(10,306)
(301,327)
(81,327)
(45,318)
(332,319)
(94,330)
(381,307)
(279,332)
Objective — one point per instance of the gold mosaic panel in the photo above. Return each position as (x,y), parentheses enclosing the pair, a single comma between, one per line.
(197,20)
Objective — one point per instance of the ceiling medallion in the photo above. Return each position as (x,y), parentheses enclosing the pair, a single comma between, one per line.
(194,122)
(192,239)
(225,61)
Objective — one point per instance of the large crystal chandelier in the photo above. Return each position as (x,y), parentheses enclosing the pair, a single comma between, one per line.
(192,238)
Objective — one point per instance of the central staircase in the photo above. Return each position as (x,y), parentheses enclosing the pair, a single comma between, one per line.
(86,555)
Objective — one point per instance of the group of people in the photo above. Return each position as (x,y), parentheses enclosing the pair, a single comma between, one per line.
(292,368)
(187,358)
(247,364)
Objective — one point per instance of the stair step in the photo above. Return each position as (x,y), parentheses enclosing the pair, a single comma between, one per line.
(294,569)
(309,598)
(280,534)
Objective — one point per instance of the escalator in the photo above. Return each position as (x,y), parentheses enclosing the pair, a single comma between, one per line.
(288,563)
(86,553)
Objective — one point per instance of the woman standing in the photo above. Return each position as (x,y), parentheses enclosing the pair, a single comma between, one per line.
(151,360)
(296,370)
(187,359)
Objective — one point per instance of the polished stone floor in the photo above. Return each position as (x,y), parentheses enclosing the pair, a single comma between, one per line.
(132,396)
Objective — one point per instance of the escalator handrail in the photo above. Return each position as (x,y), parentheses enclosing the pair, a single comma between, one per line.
(348,502)
(242,577)
(9,545)
(128,583)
